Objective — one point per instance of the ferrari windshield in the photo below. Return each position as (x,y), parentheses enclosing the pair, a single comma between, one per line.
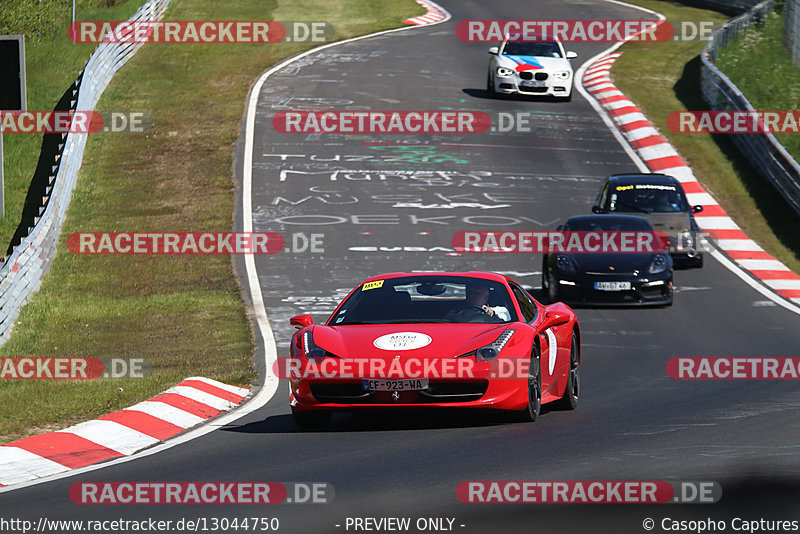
(426,299)
(647,198)
(523,48)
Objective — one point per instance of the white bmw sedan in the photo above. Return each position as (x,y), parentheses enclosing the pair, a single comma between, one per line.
(531,67)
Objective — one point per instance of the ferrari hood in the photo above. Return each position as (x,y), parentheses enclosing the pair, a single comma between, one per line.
(406,340)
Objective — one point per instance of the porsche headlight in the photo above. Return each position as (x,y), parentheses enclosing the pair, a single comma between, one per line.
(563,75)
(658,265)
(490,351)
(564,264)
(504,72)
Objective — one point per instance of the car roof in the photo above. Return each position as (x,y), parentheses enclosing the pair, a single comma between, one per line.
(486,275)
(656,179)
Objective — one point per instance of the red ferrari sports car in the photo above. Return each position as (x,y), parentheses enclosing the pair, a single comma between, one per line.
(435,340)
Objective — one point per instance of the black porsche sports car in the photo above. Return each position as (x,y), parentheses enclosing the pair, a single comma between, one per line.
(608,278)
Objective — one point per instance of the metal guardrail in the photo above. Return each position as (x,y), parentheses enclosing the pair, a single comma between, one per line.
(791,31)
(763,151)
(22,273)
(729,7)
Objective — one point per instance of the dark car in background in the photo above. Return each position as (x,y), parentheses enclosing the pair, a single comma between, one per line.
(660,199)
(608,278)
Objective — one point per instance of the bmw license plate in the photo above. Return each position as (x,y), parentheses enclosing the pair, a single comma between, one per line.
(532,83)
(395,385)
(612,286)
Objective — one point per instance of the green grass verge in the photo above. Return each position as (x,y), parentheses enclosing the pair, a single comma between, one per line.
(763,45)
(183,314)
(665,77)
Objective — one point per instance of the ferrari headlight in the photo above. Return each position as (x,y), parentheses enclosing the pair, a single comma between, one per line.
(658,265)
(504,72)
(310,349)
(564,264)
(490,351)
(563,75)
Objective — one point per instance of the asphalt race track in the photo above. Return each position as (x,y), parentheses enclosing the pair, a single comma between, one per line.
(382,207)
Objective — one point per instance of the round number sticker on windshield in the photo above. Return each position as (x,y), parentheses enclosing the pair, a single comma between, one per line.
(402,341)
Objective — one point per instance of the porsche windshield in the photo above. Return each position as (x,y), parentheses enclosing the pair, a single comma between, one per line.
(428,299)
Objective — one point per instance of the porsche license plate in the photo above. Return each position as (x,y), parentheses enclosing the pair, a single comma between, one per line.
(396,385)
(612,286)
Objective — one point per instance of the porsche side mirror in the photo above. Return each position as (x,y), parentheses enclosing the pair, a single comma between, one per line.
(554,318)
(301,321)
(494,50)
(697,209)
(571,55)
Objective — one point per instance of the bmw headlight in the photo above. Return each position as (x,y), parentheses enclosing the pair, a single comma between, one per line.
(564,264)
(504,72)
(490,351)
(658,265)
(563,75)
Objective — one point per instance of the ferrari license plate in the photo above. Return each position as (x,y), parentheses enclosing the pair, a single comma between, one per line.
(396,385)
(612,286)
(532,83)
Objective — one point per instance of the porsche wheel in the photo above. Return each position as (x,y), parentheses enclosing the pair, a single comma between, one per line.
(311,420)
(534,407)
(572,391)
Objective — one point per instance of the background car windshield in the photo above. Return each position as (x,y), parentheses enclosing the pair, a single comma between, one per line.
(521,48)
(438,299)
(647,199)
(608,224)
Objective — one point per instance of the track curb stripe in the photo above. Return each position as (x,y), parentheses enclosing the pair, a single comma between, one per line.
(434,14)
(118,434)
(659,156)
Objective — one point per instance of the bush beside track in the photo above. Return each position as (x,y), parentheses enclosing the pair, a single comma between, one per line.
(665,77)
(183,314)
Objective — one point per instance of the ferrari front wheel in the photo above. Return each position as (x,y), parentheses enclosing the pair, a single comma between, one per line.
(534,407)
(572,390)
